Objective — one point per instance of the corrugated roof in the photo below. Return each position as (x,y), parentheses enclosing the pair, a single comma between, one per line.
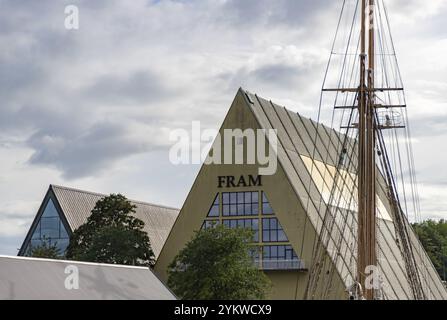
(41,279)
(297,137)
(78,204)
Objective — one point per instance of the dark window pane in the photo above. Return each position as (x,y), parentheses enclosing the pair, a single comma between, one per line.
(266,208)
(240,209)
(254,209)
(266,252)
(36,243)
(233,198)
(49,227)
(240,197)
(226,198)
(233,210)
(247,209)
(62,245)
(226,210)
(247,197)
(36,234)
(214,211)
(282,251)
(254,197)
(265,236)
(50,210)
(264,197)
(274,251)
(255,224)
(265,224)
(63,232)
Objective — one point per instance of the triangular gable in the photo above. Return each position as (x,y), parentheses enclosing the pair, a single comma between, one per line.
(299,204)
(49,226)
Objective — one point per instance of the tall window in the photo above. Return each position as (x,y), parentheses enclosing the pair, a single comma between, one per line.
(252,210)
(50,229)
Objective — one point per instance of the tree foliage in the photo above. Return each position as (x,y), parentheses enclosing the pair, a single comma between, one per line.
(216,265)
(112,235)
(45,250)
(433,236)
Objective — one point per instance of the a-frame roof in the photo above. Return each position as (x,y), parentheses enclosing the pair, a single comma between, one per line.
(300,140)
(76,206)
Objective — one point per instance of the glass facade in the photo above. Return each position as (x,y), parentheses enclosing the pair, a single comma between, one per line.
(50,229)
(271,249)
(272,231)
(252,224)
(280,257)
(240,204)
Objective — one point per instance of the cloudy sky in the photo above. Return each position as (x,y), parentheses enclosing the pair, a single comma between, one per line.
(92,108)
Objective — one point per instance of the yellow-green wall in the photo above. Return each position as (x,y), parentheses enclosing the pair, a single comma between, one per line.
(282,197)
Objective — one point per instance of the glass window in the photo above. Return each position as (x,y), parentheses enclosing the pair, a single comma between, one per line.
(50,210)
(50,230)
(280,257)
(63,232)
(36,234)
(266,208)
(214,211)
(62,245)
(272,231)
(252,224)
(240,203)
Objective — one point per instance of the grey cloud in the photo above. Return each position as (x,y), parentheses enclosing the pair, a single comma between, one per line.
(139,87)
(280,12)
(87,153)
(279,75)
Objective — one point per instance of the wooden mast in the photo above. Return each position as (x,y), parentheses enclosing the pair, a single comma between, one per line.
(366,254)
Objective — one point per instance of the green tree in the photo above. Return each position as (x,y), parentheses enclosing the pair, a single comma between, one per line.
(433,236)
(112,235)
(216,265)
(45,250)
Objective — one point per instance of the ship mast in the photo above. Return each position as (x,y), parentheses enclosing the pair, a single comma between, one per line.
(375,107)
(366,192)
